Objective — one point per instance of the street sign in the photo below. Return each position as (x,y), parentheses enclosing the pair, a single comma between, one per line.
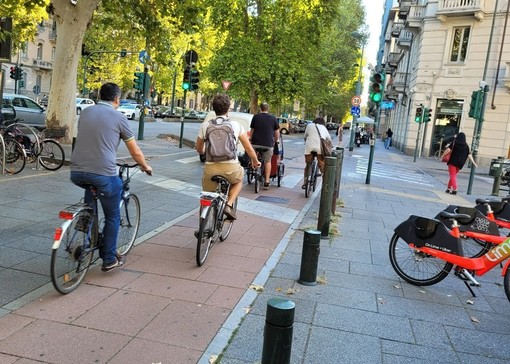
(37,89)
(356,101)
(226,85)
(143,56)
(355,110)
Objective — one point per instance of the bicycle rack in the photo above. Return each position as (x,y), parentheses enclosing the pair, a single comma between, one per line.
(3,154)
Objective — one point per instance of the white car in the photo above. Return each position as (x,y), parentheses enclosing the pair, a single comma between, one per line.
(132,111)
(82,104)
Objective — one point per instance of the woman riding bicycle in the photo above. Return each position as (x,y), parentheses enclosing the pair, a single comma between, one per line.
(100,129)
(313,134)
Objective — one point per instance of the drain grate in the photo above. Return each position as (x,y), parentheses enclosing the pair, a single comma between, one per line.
(272,199)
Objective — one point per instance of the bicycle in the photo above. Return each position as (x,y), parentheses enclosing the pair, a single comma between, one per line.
(48,152)
(15,157)
(213,225)
(257,175)
(80,236)
(312,170)
(423,252)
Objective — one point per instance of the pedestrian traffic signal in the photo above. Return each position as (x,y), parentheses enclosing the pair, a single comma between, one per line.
(194,74)
(427,115)
(476,104)
(376,88)
(138,81)
(13,73)
(419,114)
(186,79)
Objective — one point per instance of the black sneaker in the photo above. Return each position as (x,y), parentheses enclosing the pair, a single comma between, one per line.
(196,233)
(266,185)
(229,212)
(453,192)
(119,262)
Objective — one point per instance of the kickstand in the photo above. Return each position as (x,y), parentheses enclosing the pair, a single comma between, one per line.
(470,289)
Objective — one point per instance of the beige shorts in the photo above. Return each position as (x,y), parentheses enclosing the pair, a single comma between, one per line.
(233,172)
(267,154)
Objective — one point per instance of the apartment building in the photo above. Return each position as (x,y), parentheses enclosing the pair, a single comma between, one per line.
(435,54)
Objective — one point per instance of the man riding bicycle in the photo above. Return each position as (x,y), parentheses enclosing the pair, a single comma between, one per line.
(100,129)
(264,132)
(226,165)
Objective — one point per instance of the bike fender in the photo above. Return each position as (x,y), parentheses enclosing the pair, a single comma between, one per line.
(203,213)
(64,227)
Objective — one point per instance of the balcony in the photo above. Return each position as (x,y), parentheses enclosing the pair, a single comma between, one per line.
(400,82)
(453,8)
(394,59)
(391,93)
(396,28)
(404,8)
(43,64)
(415,17)
(404,39)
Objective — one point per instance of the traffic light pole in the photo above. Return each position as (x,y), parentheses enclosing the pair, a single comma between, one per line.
(182,118)
(142,112)
(372,144)
(358,93)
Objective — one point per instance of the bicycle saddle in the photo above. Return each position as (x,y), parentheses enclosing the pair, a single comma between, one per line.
(455,216)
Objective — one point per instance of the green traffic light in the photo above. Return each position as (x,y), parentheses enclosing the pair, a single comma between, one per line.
(376,97)
(185,86)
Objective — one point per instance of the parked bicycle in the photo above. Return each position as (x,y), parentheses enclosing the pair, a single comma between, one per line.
(423,252)
(311,176)
(257,175)
(80,236)
(213,224)
(15,158)
(47,151)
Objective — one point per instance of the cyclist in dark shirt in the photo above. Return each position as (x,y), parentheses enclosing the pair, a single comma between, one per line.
(264,131)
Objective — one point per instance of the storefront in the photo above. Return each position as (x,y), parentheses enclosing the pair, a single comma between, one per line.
(446,123)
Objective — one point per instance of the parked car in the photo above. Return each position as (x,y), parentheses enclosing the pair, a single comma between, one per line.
(161,111)
(82,104)
(331,126)
(347,125)
(29,111)
(132,111)
(285,125)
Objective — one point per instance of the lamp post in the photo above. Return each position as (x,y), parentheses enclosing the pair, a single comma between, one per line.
(362,38)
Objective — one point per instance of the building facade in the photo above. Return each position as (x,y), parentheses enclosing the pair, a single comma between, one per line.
(435,54)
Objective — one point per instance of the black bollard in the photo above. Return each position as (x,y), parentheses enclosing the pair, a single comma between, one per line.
(278,331)
(310,258)
(328,186)
(339,164)
(497,179)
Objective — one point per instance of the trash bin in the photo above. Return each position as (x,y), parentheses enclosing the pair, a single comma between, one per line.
(495,164)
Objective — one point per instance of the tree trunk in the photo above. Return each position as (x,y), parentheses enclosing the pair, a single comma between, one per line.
(72,22)
(254,101)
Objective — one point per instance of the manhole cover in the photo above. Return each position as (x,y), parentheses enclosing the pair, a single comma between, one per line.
(272,199)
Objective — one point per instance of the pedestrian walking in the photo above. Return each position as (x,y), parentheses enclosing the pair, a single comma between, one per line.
(387,141)
(340,133)
(458,153)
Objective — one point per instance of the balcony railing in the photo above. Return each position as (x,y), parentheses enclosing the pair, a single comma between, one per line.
(450,8)
(394,58)
(43,64)
(396,28)
(415,17)
(404,39)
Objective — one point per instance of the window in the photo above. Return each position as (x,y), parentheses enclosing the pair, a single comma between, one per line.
(460,44)
(53,54)
(38,81)
(39,51)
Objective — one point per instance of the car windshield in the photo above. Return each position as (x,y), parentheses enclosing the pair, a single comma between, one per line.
(128,106)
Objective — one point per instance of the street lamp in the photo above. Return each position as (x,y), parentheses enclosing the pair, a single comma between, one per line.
(363,38)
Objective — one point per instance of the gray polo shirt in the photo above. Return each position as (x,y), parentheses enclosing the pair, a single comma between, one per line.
(100,130)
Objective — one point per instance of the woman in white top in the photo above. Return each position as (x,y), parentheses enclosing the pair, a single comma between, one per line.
(313,132)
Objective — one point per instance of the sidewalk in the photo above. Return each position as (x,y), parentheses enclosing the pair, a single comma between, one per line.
(161,308)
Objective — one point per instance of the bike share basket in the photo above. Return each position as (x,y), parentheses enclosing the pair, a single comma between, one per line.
(501,209)
(477,221)
(422,231)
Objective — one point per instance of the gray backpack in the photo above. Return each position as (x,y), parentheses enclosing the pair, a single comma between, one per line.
(221,144)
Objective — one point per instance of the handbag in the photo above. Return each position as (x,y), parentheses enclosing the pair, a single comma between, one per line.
(446,157)
(326,145)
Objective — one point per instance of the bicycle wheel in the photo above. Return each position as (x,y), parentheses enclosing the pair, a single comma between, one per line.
(475,248)
(227,224)
(281,170)
(15,158)
(249,175)
(414,267)
(206,233)
(51,155)
(129,223)
(71,260)
(256,181)
(314,174)
(437,155)
(506,283)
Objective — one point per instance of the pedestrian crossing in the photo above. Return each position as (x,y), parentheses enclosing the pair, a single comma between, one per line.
(404,174)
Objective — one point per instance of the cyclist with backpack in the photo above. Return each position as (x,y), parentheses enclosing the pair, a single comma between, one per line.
(217,139)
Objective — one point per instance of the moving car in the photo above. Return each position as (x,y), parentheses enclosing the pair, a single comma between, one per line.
(82,104)
(27,110)
(132,111)
(285,125)
(331,126)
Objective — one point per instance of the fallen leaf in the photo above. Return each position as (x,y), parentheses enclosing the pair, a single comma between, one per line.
(247,309)
(278,289)
(422,291)
(257,287)
(212,359)
(397,286)
(474,319)
(471,302)
(322,280)
(290,291)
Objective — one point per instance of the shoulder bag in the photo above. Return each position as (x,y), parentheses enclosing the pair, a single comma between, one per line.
(326,145)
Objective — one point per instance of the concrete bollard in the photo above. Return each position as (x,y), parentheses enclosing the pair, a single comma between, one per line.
(339,154)
(278,331)
(328,186)
(310,258)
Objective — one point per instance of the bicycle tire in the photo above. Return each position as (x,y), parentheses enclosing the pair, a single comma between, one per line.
(308,184)
(227,224)
(249,175)
(414,267)
(437,155)
(314,175)
(15,158)
(256,181)
(281,169)
(206,233)
(51,156)
(71,260)
(506,283)
(129,223)
(475,248)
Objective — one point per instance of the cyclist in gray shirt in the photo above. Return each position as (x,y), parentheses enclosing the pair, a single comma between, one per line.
(100,129)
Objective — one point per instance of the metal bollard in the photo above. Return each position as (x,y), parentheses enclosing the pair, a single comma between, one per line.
(278,331)
(497,179)
(339,154)
(310,258)
(328,187)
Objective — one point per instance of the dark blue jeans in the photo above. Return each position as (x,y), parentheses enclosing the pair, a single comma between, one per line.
(109,189)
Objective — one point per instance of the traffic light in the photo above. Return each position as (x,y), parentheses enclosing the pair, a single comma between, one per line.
(19,74)
(427,115)
(419,114)
(194,74)
(376,88)
(186,79)
(138,81)
(13,73)
(21,84)
(476,103)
